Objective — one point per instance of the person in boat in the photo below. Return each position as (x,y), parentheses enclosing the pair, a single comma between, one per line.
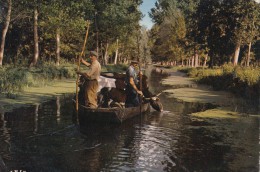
(91,79)
(131,90)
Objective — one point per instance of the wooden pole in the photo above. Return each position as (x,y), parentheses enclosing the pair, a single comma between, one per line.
(140,70)
(78,65)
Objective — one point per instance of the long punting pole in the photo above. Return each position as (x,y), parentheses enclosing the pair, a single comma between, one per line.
(78,65)
(140,75)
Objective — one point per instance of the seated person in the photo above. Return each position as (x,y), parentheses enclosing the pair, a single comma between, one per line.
(132,92)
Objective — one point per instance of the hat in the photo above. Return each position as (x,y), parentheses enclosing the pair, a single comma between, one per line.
(94,53)
(134,62)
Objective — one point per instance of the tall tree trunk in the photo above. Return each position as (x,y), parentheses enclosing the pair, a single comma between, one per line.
(248,54)
(205,61)
(196,63)
(236,55)
(102,54)
(97,44)
(106,54)
(115,62)
(5,29)
(192,61)
(119,58)
(58,47)
(211,59)
(36,38)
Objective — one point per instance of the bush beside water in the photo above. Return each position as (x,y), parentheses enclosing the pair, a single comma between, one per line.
(243,81)
(13,79)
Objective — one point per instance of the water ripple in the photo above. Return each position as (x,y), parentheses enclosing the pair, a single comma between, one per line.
(148,151)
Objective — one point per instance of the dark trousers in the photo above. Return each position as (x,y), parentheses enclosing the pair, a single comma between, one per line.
(132,98)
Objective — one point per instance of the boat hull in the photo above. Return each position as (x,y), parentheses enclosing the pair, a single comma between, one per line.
(110,115)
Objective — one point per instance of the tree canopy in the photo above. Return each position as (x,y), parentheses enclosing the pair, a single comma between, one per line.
(219,28)
(185,31)
(60,27)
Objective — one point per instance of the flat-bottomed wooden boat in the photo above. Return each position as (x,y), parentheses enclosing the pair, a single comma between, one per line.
(110,115)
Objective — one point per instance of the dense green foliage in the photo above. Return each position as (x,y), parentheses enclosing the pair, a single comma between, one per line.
(61,29)
(221,30)
(185,31)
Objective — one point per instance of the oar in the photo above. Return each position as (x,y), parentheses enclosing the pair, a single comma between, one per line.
(78,66)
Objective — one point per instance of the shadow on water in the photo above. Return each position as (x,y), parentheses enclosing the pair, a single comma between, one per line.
(44,138)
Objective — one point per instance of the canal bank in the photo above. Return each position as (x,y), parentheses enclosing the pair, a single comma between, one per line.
(37,95)
(186,89)
(179,86)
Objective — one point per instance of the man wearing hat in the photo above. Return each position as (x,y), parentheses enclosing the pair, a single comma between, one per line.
(91,76)
(132,92)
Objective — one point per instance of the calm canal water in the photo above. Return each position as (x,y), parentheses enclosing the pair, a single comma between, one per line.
(45,138)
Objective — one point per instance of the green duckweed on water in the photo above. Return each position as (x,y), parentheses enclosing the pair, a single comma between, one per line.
(178,79)
(202,95)
(36,95)
(217,113)
(186,90)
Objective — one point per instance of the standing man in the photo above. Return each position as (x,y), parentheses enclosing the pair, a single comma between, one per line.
(132,92)
(91,76)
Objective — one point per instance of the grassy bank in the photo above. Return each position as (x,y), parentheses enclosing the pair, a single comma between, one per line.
(20,86)
(242,81)
(14,79)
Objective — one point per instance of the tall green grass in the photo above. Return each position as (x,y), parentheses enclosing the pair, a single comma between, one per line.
(13,79)
(244,81)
